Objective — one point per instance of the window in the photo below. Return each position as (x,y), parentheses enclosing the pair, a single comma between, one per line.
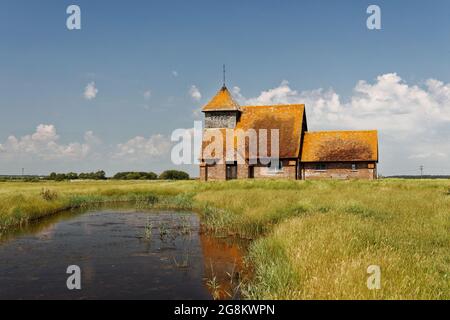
(231,171)
(321,167)
(354,167)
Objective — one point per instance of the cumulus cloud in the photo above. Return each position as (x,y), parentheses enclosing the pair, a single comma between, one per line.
(44,144)
(237,95)
(388,103)
(91,138)
(413,120)
(140,148)
(90,92)
(195,94)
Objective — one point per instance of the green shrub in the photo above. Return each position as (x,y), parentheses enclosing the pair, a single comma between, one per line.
(135,176)
(99,175)
(174,175)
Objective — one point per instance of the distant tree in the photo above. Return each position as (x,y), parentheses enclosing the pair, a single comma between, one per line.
(60,177)
(119,175)
(83,176)
(72,176)
(152,176)
(135,176)
(99,175)
(174,175)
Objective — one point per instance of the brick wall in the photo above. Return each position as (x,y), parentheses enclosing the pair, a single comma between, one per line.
(339,170)
(214,172)
(203,173)
(262,172)
(218,171)
(289,171)
(242,171)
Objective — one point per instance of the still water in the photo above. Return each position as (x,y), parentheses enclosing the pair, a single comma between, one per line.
(122,254)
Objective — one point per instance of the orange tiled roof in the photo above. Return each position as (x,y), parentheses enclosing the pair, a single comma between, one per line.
(328,146)
(288,119)
(222,101)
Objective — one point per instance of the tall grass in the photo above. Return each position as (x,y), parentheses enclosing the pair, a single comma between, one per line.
(312,240)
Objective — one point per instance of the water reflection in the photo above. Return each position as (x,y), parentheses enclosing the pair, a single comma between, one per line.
(224,265)
(123,254)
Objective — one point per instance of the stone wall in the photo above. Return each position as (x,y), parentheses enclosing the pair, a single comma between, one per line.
(339,170)
(224,119)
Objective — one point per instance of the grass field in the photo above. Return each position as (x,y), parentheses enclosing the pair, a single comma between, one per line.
(311,240)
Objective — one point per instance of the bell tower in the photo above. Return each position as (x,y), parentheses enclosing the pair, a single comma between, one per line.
(222,111)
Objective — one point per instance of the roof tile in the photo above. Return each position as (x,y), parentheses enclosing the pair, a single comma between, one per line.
(288,119)
(222,101)
(337,146)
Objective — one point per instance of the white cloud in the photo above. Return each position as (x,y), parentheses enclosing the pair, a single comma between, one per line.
(428,155)
(43,148)
(237,95)
(43,144)
(140,148)
(413,121)
(389,104)
(45,132)
(281,94)
(90,92)
(195,94)
(147,94)
(175,73)
(91,138)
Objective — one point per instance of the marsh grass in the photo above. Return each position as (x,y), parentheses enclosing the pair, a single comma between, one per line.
(184,262)
(148,229)
(312,240)
(48,195)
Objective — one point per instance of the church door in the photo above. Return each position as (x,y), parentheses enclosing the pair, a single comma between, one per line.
(231,171)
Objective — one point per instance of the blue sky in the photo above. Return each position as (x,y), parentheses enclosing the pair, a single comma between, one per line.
(290,49)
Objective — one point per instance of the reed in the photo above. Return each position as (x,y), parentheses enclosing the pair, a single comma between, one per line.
(312,240)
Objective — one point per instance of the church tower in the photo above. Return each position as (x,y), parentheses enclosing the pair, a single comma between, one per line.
(222,111)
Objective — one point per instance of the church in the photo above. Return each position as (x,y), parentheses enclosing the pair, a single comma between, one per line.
(301,154)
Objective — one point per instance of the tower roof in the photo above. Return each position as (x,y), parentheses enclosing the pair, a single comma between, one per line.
(222,101)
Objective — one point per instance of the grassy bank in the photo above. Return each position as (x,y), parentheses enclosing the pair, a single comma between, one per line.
(312,239)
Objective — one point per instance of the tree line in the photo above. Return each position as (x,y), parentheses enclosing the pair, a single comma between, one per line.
(99,175)
(127,175)
(418,177)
